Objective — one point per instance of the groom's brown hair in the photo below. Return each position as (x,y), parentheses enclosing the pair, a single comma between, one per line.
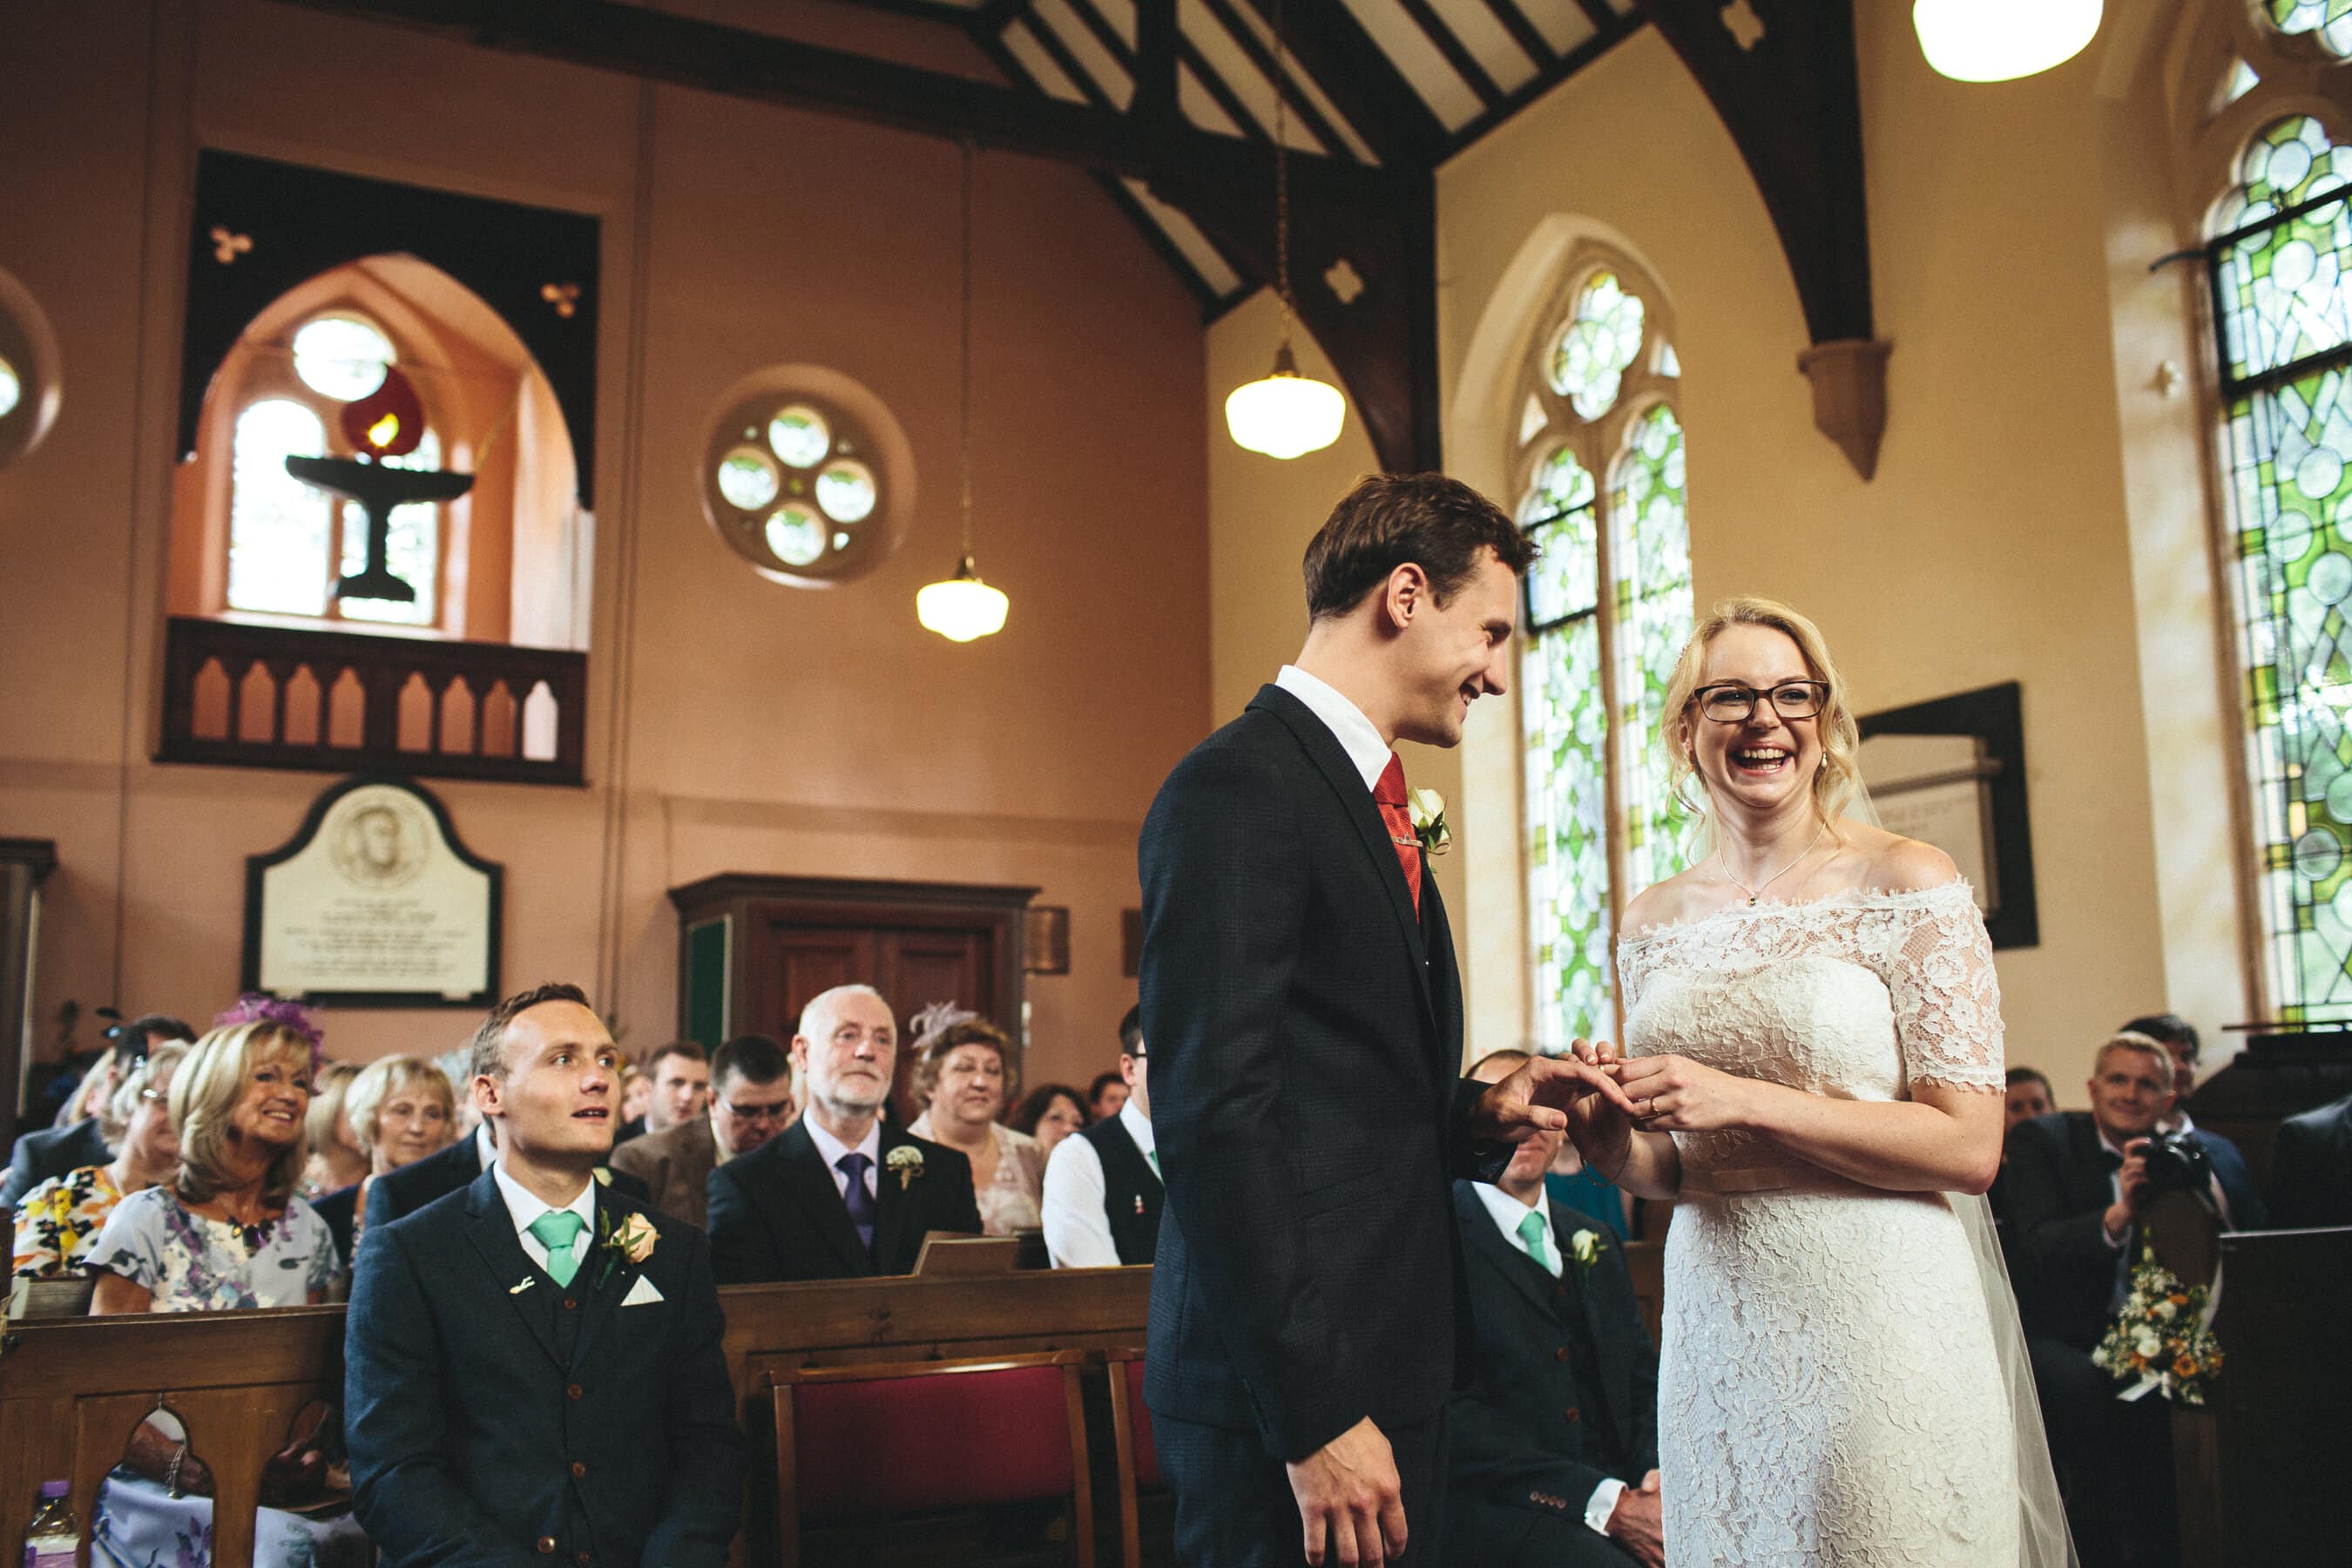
(1437,524)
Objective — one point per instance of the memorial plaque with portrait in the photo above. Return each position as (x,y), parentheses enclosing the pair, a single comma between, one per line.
(374,902)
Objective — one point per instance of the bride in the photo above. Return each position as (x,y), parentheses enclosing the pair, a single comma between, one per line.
(1814,1055)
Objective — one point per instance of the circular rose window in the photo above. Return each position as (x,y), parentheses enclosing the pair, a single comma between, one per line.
(807,477)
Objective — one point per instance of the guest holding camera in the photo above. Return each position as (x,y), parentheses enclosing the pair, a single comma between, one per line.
(2241,1202)
(60,1220)
(227,1230)
(962,1076)
(2076,1188)
(79,1141)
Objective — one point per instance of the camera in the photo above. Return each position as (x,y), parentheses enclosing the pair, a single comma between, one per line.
(2176,1162)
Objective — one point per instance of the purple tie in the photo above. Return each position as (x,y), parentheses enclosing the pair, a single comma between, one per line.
(860,1201)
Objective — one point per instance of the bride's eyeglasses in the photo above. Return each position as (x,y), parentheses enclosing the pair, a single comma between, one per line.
(1728,702)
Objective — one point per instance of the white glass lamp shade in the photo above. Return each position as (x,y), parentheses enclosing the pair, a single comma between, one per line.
(1287,415)
(2000,40)
(962,608)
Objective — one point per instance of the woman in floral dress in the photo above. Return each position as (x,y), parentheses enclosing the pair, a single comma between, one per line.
(58,1222)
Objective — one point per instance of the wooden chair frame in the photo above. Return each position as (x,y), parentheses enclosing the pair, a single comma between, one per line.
(1122,1439)
(1071,1363)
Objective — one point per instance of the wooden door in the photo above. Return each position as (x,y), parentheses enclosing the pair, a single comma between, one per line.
(928,965)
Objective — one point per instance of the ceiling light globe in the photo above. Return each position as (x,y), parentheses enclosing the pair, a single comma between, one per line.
(962,608)
(1286,415)
(2000,40)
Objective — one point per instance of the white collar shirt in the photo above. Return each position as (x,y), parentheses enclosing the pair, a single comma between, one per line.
(1139,1127)
(484,1150)
(525,1207)
(1072,1210)
(1356,734)
(830,1149)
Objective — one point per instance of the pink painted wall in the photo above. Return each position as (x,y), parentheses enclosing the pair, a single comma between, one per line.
(735,724)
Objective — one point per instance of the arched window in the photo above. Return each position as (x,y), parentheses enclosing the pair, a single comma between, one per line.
(1599,466)
(288,543)
(2283,320)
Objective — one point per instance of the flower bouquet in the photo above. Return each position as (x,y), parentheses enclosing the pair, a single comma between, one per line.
(2163,1337)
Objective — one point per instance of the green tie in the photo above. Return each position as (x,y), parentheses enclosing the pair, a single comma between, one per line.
(556,1230)
(1153,1155)
(1531,1236)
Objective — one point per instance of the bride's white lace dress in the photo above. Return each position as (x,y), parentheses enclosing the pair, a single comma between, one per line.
(1828,1390)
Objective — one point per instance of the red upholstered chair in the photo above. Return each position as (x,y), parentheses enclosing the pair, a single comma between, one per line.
(869,1443)
(1139,1455)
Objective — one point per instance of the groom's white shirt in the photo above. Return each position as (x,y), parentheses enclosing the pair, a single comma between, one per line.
(524,1208)
(1507,1213)
(1357,735)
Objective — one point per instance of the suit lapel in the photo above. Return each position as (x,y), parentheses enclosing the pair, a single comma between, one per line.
(815,1189)
(894,1206)
(598,1291)
(1331,759)
(1526,1277)
(492,1232)
(1616,1369)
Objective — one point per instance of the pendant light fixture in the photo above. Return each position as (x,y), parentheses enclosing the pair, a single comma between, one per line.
(961,608)
(2000,40)
(1286,415)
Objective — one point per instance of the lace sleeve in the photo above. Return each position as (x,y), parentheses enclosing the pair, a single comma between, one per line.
(1938,970)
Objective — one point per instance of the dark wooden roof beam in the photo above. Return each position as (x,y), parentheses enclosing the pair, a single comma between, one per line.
(1361,81)
(1457,54)
(1523,32)
(1254,49)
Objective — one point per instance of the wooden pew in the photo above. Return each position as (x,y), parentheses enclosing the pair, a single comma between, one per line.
(71,1390)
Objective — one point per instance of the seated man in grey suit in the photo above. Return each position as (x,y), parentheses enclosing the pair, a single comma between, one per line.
(750,1100)
(1555,1440)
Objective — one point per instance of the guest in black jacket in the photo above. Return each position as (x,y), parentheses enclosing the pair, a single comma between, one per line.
(533,1366)
(2239,1198)
(2074,1186)
(89,1141)
(1554,1443)
(838,1194)
(2311,1168)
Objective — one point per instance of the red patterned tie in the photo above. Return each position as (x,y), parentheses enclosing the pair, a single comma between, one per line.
(1388,795)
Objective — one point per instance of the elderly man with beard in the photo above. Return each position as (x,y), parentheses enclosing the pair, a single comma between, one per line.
(838,1194)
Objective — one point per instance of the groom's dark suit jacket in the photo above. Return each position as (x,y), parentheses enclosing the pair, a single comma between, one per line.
(776,1213)
(491,1425)
(451,1169)
(1305,1034)
(1563,1391)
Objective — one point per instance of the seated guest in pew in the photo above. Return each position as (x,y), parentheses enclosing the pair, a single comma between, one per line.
(1103,1193)
(962,1078)
(227,1231)
(2242,1204)
(838,1194)
(681,1085)
(2030,1096)
(452,1169)
(401,1110)
(751,1101)
(1049,1114)
(2311,1168)
(337,1161)
(533,1366)
(89,1141)
(2074,1187)
(1105,1096)
(59,1221)
(1553,1443)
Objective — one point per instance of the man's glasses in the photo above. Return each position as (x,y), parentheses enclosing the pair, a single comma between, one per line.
(1729,702)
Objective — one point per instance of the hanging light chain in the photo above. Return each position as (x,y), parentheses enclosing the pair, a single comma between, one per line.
(963,446)
(1281,176)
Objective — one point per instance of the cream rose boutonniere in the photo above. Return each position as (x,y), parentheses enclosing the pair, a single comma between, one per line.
(1427,809)
(906,1160)
(1586,1246)
(630,1240)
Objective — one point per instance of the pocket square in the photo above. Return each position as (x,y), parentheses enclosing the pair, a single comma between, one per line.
(641,1293)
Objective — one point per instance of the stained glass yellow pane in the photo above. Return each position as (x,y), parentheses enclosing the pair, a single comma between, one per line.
(2330,19)
(1649,565)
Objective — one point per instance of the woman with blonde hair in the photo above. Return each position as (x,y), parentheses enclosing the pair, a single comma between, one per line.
(336,1161)
(401,1108)
(1813,1055)
(228,1230)
(963,1076)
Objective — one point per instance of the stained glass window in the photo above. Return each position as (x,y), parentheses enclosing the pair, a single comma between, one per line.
(276,525)
(2330,19)
(1601,823)
(792,488)
(2285,343)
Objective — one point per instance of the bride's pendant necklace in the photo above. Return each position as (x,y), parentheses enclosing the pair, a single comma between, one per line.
(1757,891)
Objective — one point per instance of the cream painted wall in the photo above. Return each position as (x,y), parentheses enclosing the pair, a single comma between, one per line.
(2027,454)
(735,724)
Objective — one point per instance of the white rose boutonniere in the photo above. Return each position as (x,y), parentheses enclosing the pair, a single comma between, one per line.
(906,1160)
(1427,809)
(1586,1246)
(630,1239)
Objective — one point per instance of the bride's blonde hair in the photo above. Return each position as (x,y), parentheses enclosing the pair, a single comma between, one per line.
(1838,782)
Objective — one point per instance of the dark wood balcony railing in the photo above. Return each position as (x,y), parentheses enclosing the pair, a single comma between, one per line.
(288,697)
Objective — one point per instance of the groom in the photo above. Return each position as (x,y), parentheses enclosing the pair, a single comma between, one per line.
(532,1364)
(1305,1015)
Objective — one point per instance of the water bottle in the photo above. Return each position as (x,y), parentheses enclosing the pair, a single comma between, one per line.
(50,1539)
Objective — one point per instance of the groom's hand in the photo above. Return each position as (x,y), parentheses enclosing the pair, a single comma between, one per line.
(1349,1489)
(1536,1098)
(1638,1524)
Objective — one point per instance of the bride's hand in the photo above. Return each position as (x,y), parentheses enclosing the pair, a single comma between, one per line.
(1674,1094)
(1602,1131)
